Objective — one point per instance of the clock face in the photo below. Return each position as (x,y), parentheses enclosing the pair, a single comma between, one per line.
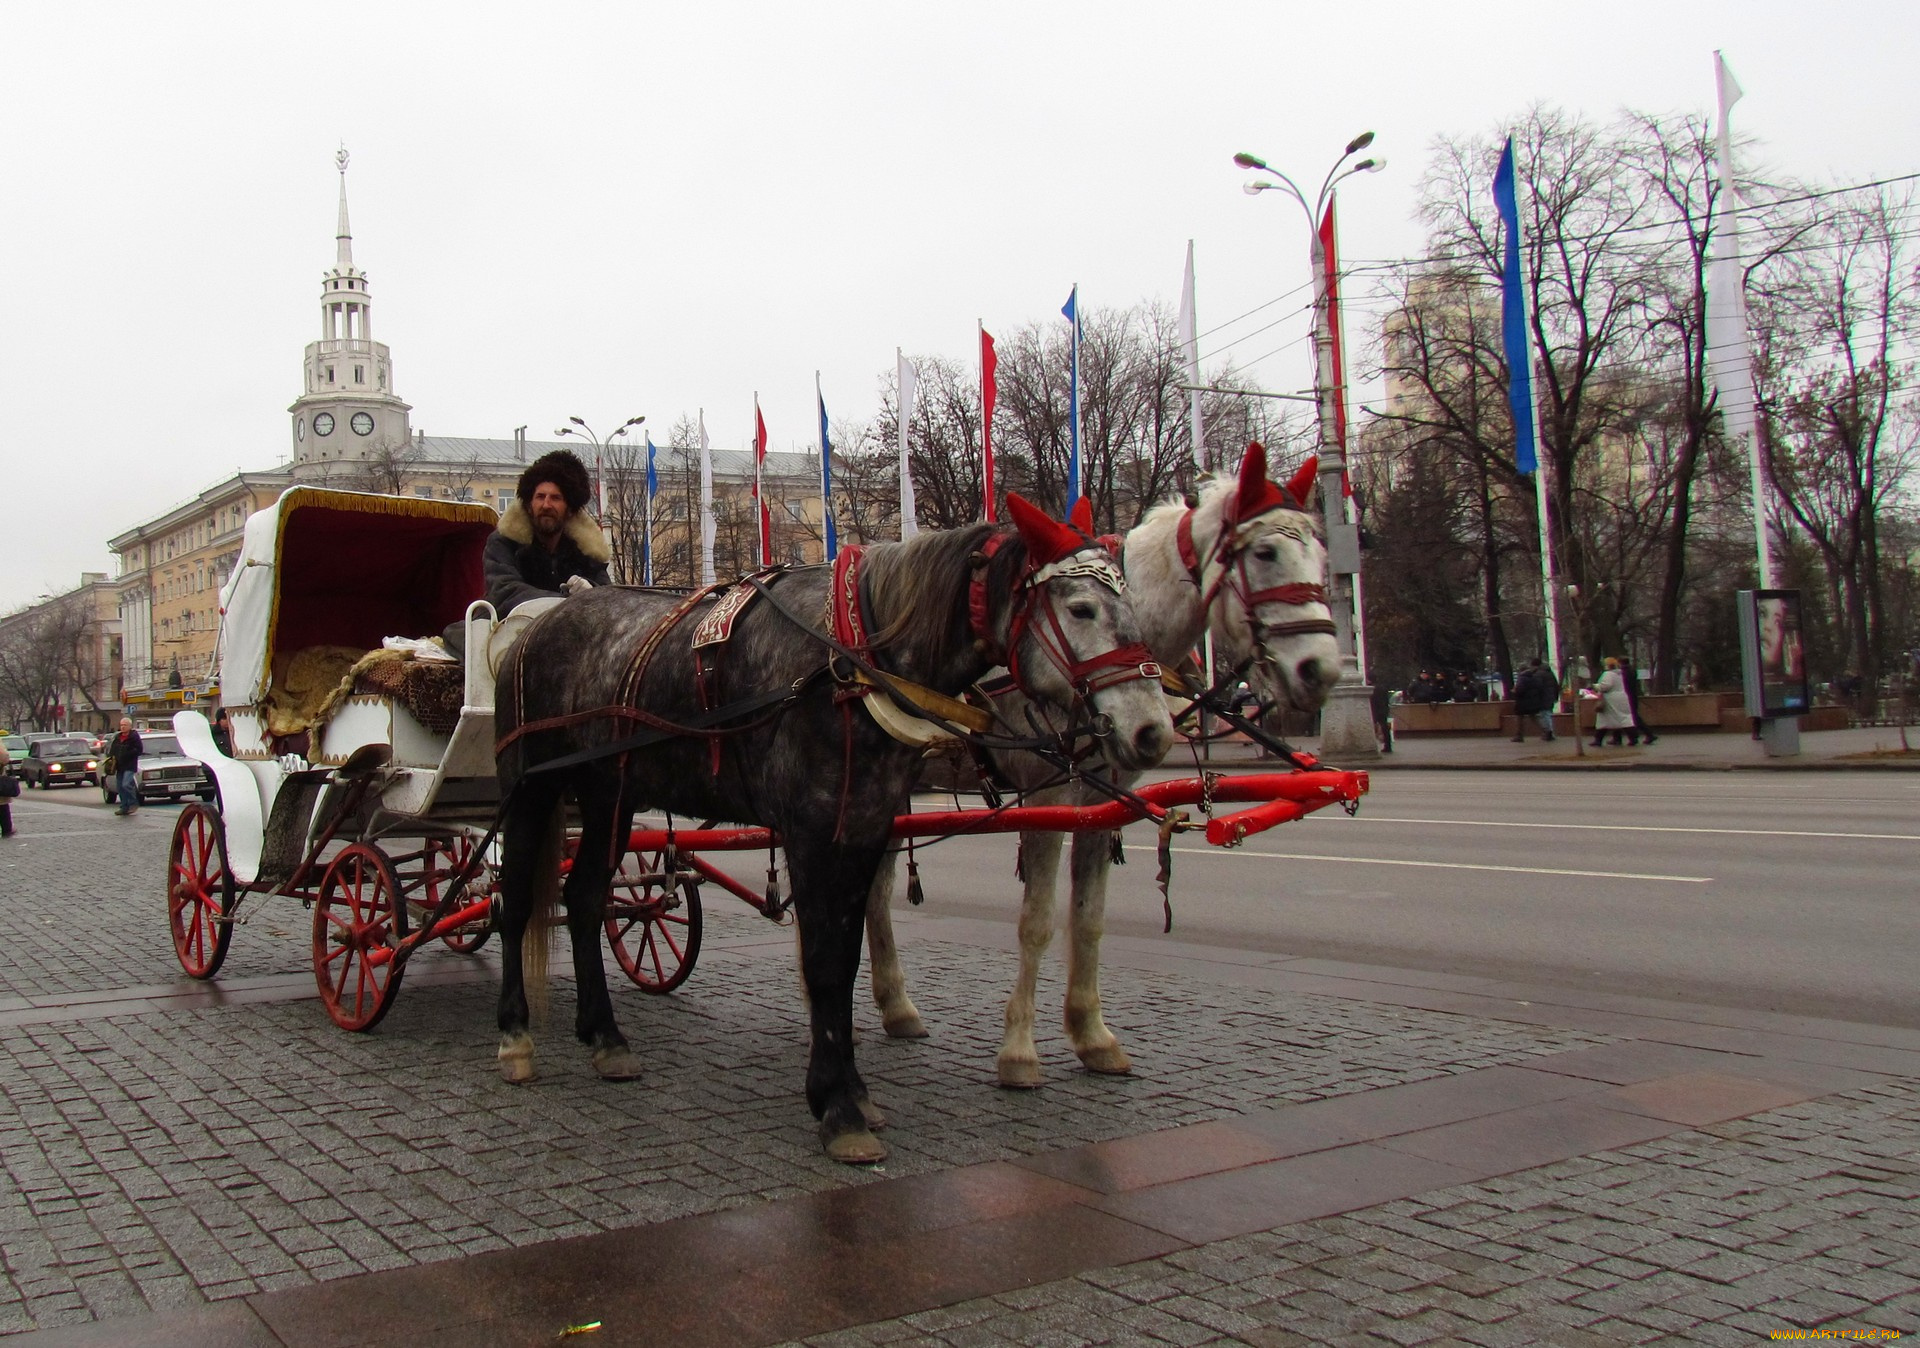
(300,429)
(323,424)
(362,423)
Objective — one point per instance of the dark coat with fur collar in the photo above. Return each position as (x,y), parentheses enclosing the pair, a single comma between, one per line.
(519,569)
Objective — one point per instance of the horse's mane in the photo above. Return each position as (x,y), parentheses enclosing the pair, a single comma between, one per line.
(917,590)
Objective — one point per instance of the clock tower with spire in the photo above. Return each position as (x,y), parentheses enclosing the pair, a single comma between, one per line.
(348,424)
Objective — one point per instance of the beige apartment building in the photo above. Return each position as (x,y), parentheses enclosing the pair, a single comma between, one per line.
(60,660)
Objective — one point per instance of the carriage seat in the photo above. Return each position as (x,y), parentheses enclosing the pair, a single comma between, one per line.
(507,631)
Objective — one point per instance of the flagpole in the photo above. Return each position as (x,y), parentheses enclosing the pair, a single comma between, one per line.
(906,392)
(1073,400)
(826,472)
(1729,354)
(759,509)
(706,503)
(646,536)
(986,419)
(1190,337)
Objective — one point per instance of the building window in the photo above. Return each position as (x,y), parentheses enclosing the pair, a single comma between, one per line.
(329,374)
(426,492)
(359,374)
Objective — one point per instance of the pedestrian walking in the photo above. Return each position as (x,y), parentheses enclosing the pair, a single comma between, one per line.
(9,788)
(125,750)
(1535,694)
(1614,713)
(1383,716)
(1640,730)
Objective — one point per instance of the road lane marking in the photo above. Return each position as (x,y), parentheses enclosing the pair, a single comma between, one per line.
(1434,865)
(1637,828)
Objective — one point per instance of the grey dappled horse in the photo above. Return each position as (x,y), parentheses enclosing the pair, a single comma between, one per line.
(941,610)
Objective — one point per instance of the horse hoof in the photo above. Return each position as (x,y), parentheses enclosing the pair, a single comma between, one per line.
(871,1115)
(616,1063)
(1110,1060)
(908,1026)
(516,1059)
(861,1148)
(1019,1074)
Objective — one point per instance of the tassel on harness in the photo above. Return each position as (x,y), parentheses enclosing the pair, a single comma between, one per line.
(915,895)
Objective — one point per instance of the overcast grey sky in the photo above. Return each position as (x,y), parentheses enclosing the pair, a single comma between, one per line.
(628,208)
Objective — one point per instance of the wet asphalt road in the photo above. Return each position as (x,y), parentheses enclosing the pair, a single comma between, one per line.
(1795,892)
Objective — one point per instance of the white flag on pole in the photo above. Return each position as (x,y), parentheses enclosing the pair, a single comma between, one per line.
(1190,344)
(706,504)
(1729,354)
(909,391)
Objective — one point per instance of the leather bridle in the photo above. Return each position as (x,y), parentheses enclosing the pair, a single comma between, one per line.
(1034,612)
(1227,560)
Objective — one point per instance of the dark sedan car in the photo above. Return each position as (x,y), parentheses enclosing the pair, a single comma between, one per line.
(66,760)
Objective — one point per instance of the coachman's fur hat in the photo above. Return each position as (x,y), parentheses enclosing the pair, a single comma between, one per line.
(563,468)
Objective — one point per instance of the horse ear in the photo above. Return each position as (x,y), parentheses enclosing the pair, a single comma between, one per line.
(1047,539)
(1300,485)
(1253,482)
(1081,516)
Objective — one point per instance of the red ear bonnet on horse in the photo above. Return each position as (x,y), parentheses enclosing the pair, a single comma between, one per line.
(1047,539)
(1256,495)
(1300,485)
(1081,516)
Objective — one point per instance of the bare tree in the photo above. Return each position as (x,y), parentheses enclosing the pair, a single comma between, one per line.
(1841,431)
(48,653)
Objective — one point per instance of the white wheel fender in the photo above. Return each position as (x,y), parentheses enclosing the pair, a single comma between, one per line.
(242,810)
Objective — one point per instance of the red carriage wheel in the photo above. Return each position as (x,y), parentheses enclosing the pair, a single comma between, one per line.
(443,860)
(358,920)
(653,922)
(199,891)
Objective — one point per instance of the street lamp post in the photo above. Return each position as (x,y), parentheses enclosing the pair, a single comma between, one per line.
(585,432)
(1346,724)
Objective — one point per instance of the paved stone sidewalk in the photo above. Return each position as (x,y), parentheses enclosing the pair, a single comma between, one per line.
(154,1161)
(1799,1218)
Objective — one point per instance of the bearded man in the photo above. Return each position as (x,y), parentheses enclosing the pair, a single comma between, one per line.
(547,546)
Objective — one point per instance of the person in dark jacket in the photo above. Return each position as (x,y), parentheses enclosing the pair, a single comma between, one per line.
(547,546)
(1534,694)
(125,750)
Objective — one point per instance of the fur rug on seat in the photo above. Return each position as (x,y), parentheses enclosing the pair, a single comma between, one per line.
(312,684)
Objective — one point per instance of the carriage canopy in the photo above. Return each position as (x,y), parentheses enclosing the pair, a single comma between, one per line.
(342,568)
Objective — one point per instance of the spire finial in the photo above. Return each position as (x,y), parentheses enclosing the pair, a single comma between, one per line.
(344,235)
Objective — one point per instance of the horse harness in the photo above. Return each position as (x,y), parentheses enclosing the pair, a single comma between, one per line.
(849,660)
(1229,555)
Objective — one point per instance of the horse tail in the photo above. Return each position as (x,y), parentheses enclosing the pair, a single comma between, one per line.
(536,949)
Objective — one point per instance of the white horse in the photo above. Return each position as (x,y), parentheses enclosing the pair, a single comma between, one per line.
(1247,562)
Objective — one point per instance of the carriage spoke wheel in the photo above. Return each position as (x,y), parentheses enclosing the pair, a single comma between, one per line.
(653,923)
(199,891)
(443,860)
(359,917)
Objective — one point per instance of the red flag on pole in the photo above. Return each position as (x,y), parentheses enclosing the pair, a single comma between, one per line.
(1337,341)
(760,511)
(988,363)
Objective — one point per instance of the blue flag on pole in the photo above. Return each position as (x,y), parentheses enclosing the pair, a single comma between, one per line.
(1513,317)
(826,474)
(1071,312)
(646,534)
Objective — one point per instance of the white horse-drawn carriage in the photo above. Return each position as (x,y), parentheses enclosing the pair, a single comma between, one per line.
(361,772)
